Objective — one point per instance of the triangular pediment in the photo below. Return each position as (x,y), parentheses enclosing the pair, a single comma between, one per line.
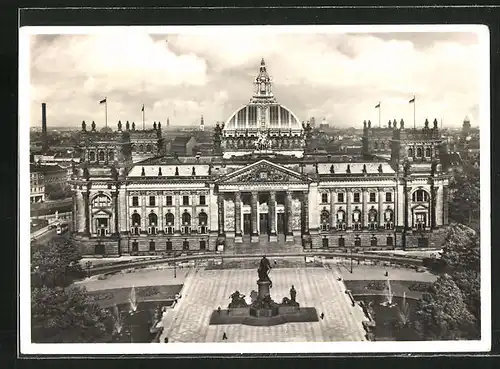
(101,212)
(264,171)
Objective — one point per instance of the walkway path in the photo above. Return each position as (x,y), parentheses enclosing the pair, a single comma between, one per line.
(205,290)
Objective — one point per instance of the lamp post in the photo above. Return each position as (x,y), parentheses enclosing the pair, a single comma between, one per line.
(351,256)
(88,265)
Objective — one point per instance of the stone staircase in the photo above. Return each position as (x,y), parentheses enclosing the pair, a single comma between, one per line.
(263,247)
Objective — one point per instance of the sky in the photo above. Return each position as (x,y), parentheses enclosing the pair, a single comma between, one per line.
(339,77)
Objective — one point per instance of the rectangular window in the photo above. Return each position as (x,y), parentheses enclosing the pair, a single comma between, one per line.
(203,245)
(185,245)
(324,198)
(185,200)
(135,201)
(423,242)
(373,196)
(152,201)
(202,200)
(390,241)
(325,243)
(388,196)
(356,196)
(357,242)
(341,242)
(340,197)
(169,245)
(152,246)
(169,200)
(373,241)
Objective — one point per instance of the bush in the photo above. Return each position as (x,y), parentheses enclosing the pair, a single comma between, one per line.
(419,286)
(103,296)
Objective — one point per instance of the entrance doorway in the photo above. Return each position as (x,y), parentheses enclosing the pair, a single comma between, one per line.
(247,223)
(281,223)
(264,228)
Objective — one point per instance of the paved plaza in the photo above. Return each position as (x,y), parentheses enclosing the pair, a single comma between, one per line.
(205,290)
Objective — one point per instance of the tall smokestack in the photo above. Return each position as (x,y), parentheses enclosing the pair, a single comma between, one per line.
(45,144)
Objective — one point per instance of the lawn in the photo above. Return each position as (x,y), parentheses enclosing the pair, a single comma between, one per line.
(412,289)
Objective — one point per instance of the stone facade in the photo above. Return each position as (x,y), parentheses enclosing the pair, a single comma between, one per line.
(241,193)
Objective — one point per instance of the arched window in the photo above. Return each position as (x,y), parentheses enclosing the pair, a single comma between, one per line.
(136,220)
(169,218)
(410,152)
(356,219)
(101,155)
(92,156)
(111,156)
(373,241)
(340,216)
(389,215)
(372,216)
(202,218)
(428,152)
(420,195)
(148,147)
(153,219)
(186,219)
(419,152)
(101,201)
(141,148)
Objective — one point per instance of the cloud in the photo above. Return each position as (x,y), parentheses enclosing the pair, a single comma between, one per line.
(183,76)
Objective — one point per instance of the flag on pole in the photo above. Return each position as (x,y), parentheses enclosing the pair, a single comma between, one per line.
(142,107)
(377,106)
(412,100)
(103,101)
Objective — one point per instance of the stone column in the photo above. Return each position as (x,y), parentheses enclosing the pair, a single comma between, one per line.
(445,205)
(86,205)
(161,215)
(289,217)
(348,213)
(255,216)
(177,220)
(305,212)
(144,214)
(364,218)
(123,205)
(380,207)
(114,202)
(80,215)
(273,237)
(407,213)
(332,209)
(433,206)
(439,207)
(220,210)
(74,212)
(237,218)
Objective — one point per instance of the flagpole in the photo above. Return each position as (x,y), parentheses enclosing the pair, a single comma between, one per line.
(414,112)
(106,112)
(379,113)
(143,127)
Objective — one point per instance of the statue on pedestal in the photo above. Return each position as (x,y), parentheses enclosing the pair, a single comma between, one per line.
(263,271)
(293,293)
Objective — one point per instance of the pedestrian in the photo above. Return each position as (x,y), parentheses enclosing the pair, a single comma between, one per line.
(165,340)
(386,273)
(224,336)
(322,316)
(275,262)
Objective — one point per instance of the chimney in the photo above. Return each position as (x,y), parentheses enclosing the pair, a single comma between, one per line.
(45,144)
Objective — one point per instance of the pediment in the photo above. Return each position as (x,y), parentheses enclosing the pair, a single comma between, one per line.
(101,212)
(264,171)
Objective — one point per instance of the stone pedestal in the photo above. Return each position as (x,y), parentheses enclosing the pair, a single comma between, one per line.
(238,239)
(254,238)
(289,238)
(263,289)
(273,237)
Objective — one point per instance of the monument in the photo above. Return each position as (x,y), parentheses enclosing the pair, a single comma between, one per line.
(263,310)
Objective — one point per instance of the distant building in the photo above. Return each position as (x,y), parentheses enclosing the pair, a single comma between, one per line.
(183,145)
(376,140)
(37,187)
(202,124)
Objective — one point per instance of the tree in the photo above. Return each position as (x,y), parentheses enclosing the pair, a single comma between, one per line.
(70,315)
(58,191)
(442,313)
(461,248)
(55,263)
(465,194)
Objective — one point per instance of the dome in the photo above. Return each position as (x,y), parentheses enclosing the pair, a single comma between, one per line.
(275,116)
